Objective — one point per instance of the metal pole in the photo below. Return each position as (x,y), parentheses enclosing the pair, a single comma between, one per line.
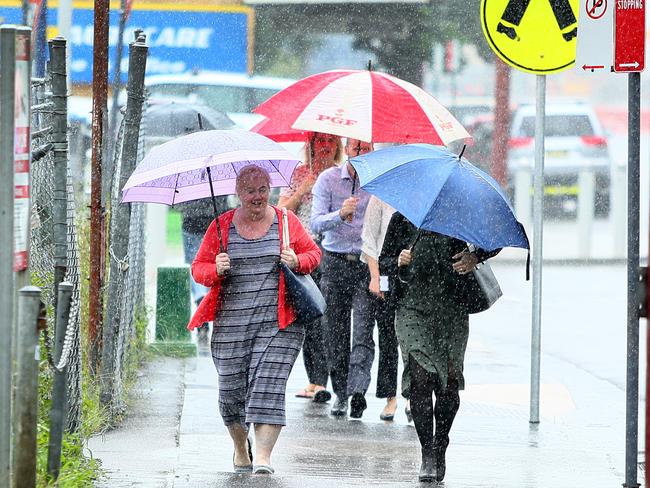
(64,23)
(26,405)
(57,48)
(7,88)
(117,86)
(40,40)
(59,406)
(120,218)
(632,373)
(538,223)
(97,234)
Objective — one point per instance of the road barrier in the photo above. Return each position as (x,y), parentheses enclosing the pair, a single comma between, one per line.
(585,220)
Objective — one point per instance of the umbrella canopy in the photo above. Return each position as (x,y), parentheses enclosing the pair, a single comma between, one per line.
(365,105)
(175,119)
(279,130)
(177,171)
(437,191)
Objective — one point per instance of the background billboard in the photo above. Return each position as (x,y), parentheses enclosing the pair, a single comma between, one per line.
(180,37)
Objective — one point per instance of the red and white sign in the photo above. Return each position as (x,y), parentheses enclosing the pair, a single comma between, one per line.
(629,35)
(22,151)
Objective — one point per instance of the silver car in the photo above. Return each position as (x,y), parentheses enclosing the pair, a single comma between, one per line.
(574,139)
(236,94)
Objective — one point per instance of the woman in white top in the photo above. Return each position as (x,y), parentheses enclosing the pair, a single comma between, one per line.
(375,223)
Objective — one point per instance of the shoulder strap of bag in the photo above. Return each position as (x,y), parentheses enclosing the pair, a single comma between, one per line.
(285,229)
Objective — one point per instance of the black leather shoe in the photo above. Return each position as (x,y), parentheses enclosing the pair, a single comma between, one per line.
(409,415)
(439,450)
(357,405)
(340,407)
(428,469)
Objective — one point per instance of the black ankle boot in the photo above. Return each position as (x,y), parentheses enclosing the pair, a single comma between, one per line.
(428,468)
(439,450)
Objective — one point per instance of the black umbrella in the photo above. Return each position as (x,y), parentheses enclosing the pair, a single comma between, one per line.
(175,119)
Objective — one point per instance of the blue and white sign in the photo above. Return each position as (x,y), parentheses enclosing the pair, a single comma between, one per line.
(209,38)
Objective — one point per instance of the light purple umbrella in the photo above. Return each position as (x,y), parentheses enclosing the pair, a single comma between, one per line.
(205,164)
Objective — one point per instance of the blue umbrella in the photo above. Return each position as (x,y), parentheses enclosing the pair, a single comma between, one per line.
(440,192)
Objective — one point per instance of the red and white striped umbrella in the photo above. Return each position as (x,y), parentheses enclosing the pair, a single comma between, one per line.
(279,131)
(365,105)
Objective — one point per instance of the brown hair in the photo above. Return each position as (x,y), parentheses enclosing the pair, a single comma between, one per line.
(249,170)
(339,147)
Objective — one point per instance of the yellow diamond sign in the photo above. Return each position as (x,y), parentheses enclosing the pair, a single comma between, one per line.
(536,36)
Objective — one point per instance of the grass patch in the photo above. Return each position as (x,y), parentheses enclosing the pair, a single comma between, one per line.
(174,235)
(78,468)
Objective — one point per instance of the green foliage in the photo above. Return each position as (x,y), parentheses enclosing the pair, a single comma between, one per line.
(281,41)
(400,36)
(77,470)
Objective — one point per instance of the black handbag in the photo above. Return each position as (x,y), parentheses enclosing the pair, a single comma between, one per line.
(482,289)
(306,298)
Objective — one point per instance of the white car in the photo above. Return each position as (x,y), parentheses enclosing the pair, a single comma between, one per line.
(236,94)
(574,139)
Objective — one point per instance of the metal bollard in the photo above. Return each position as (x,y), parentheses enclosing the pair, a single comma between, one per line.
(523,182)
(59,407)
(26,396)
(587,184)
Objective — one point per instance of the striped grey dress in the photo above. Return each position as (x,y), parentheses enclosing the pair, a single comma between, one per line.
(252,355)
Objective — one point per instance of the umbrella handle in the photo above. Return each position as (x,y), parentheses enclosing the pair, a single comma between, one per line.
(415,241)
(214,209)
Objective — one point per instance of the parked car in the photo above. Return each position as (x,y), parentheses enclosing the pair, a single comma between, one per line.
(574,139)
(236,94)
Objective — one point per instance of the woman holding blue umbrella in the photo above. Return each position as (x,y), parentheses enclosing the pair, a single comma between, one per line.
(427,273)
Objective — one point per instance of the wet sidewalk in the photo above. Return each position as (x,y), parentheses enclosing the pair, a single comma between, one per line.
(174,436)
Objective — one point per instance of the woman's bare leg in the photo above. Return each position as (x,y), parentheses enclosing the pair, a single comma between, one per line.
(265,438)
(239,436)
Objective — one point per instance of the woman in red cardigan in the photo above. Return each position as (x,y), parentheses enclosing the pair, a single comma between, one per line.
(255,338)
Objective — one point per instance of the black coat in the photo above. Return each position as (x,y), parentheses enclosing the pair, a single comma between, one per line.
(433,258)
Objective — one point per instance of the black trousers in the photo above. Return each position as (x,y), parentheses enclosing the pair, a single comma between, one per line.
(388,348)
(314,354)
(351,349)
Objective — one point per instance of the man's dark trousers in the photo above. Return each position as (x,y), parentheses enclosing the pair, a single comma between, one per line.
(344,284)
(314,354)
(388,348)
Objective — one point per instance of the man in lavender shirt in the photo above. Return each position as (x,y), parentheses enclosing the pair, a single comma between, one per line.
(338,209)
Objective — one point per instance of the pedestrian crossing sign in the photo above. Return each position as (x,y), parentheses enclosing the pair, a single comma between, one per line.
(535,36)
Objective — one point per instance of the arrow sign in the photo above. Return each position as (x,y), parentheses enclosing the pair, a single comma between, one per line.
(592,68)
(635,64)
(629,36)
(595,48)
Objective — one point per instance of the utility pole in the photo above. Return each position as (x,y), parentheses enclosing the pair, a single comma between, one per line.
(500,137)
(97,209)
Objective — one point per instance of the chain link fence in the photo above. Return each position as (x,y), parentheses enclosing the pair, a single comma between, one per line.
(42,245)
(124,287)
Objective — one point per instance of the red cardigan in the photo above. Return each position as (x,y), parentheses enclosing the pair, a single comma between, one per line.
(204,269)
